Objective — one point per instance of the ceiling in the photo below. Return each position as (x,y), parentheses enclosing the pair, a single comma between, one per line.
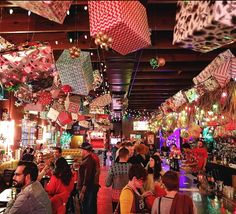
(128,76)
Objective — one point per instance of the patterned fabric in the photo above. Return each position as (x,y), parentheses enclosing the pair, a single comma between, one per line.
(53,10)
(78,73)
(179,99)
(117,178)
(125,21)
(52,114)
(33,107)
(217,69)
(27,62)
(233,68)
(4,44)
(204,25)
(102,101)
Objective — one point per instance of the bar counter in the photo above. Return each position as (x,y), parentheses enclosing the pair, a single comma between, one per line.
(224,172)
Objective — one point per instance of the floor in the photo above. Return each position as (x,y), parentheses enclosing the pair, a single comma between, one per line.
(205,204)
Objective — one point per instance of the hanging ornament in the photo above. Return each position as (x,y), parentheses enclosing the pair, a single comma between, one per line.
(45,98)
(161,61)
(66,89)
(74,52)
(157,62)
(97,79)
(18,103)
(154,63)
(103,40)
(13,88)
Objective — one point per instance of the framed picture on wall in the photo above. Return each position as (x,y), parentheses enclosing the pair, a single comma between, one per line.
(150,138)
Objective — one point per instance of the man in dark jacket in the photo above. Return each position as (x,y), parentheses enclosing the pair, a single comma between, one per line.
(86,181)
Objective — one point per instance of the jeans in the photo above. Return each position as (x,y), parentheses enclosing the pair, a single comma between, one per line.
(89,204)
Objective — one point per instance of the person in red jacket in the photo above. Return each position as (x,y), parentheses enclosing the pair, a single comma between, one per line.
(60,186)
(201,156)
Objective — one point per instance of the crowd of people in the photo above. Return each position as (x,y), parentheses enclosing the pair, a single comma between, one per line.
(46,186)
(139,183)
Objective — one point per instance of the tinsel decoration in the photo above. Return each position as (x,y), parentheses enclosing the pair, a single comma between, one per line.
(103,40)
(74,52)
(157,62)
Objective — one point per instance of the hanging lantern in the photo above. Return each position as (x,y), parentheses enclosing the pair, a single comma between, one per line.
(103,40)
(74,52)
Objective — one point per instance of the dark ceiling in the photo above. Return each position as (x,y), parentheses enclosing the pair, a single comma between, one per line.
(129,75)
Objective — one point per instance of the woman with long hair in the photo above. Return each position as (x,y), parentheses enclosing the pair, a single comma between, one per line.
(154,172)
(153,182)
(60,186)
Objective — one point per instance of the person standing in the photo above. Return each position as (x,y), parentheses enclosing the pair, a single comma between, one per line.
(201,156)
(114,150)
(118,176)
(173,202)
(131,199)
(60,186)
(32,197)
(165,150)
(86,181)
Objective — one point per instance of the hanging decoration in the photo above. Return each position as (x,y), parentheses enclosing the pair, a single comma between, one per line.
(13,88)
(65,139)
(103,40)
(97,79)
(157,62)
(45,98)
(74,52)
(66,89)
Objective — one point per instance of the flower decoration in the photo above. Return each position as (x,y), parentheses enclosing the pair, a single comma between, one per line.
(103,40)
(74,52)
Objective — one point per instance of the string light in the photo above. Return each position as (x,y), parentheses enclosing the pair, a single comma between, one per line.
(85,8)
(29,13)
(56,42)
(91,53)
(70,40)
(68,12)
(85,36)
(11,11)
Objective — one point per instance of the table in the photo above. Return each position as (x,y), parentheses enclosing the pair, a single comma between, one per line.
(6,195)
(2,209)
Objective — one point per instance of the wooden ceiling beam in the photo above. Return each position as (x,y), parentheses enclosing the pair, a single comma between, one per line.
(155,75)
(154,94)
(156,88)
(160,45)
(154,84)
(79,22)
